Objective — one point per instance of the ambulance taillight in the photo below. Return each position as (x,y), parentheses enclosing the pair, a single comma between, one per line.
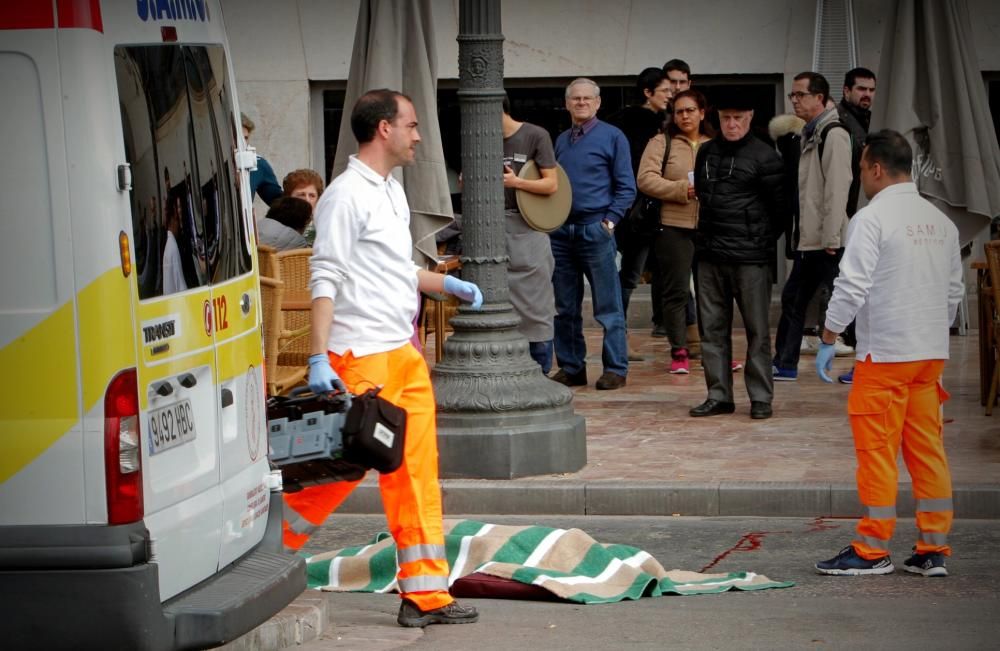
(122,453)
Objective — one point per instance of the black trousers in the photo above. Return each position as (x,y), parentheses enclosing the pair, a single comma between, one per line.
(810,271)
(674,251)
(634,248)
(749,285)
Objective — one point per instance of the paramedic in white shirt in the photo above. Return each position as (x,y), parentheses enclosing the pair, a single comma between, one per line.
(364,297)
(901,275)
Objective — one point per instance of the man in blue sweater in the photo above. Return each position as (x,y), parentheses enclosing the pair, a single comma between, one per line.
(596,158)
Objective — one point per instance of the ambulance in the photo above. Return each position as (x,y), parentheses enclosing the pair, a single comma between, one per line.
(137,506)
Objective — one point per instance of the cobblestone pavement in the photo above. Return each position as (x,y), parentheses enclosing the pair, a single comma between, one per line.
(643,431)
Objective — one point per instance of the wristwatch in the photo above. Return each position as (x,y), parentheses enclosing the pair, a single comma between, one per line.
(610,225)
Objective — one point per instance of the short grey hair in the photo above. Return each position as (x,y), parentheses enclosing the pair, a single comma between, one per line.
(583,80)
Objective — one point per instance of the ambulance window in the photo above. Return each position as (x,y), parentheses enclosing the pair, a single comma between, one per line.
(179,138)
(226,238)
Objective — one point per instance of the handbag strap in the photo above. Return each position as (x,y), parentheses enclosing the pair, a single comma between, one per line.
(666,152)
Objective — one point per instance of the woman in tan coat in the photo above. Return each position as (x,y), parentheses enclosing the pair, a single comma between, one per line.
(673,185)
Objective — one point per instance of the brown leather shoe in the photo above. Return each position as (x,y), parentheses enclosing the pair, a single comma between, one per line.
(610,381)
(570,379)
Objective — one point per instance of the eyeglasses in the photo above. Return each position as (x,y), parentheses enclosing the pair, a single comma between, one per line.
(582,98)
(798,94)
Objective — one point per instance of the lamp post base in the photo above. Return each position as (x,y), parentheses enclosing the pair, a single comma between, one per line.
(491,445)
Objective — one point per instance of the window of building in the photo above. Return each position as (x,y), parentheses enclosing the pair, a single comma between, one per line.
(541,102)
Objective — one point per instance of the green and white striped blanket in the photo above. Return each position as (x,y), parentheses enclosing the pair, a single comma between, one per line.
(566,562)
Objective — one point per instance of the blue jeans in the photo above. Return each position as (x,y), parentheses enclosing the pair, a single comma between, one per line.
(587,250)
(541,352)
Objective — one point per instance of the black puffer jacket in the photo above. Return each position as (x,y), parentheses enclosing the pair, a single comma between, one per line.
(742,207)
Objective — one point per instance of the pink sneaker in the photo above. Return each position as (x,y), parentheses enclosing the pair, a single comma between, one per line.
(679,362)
(737,365)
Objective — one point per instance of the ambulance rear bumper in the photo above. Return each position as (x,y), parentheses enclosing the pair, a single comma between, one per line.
(83,587)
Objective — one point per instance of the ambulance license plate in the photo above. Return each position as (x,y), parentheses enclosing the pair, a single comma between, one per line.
(170,426)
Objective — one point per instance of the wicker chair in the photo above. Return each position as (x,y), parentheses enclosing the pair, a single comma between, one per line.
(993,263)
(293,270)
(280,378)
(267,261)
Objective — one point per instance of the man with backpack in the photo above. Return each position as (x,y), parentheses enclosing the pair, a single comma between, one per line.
(825,178)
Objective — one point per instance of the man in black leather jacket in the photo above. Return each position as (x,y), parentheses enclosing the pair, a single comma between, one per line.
(738,181)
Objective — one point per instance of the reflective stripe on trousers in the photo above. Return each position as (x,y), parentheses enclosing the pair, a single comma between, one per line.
(895,406)
(411,495)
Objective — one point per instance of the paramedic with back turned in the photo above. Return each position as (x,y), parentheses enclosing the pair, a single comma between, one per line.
(902,276)
(364,297)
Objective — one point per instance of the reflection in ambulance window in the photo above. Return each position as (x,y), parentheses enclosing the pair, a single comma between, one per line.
(186,217)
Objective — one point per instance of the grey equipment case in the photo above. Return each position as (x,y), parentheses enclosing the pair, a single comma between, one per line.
(305,439)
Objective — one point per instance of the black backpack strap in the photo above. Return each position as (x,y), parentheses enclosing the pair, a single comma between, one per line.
(826,131)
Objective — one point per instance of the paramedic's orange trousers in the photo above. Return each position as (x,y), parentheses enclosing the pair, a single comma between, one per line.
(411,495)
(893,405)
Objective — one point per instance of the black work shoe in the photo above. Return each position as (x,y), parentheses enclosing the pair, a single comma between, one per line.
(610,381)
(931,564)
(712,407)
(760,410)
(454,613)
(570,379)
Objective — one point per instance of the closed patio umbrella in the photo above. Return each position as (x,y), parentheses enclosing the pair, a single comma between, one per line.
(394,48)
(931,90)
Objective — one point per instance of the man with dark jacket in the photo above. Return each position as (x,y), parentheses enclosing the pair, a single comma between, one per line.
(738,180)
(856,114)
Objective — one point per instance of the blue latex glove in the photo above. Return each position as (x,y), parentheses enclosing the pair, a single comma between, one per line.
(322,377)
(824,360)
(468,292)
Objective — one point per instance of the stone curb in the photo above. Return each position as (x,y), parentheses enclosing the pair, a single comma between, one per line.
(299,622)
(724,498)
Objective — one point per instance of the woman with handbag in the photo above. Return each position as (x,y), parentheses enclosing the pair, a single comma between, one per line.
(666,173)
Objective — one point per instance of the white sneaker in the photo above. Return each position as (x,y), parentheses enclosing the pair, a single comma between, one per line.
(810,345)
(841,349)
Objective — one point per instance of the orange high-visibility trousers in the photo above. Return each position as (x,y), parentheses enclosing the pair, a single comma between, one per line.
(411,495)
(893,405)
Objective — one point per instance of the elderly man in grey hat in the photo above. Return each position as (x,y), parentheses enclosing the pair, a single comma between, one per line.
(738,181)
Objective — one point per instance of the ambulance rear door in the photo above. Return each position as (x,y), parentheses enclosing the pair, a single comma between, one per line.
(177,375)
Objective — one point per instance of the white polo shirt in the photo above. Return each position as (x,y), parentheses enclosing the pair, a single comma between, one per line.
(362,261)
(901,274)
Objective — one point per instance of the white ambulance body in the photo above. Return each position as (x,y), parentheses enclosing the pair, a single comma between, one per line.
(137,508)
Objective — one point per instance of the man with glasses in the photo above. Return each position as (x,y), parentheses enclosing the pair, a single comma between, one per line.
(678,74)
(738,180)
(596,158)
(825,179)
